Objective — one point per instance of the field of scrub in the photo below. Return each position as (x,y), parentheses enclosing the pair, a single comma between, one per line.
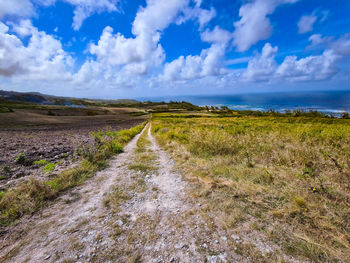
(284,179)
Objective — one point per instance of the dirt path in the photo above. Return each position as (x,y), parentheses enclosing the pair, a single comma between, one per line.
(154,221)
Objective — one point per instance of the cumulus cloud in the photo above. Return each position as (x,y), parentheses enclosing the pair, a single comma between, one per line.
(203,16)
(118,55)
(306,23)
(319,67)
(24,28)
(209,63)
(254,24)
(42,58)
(263,66)
(83,8)
(218,35)
(23,8)
(116,61)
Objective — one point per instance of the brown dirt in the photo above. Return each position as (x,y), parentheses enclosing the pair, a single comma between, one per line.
(52,138)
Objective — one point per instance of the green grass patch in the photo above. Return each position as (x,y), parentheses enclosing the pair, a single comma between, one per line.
(5,110)
(41,162)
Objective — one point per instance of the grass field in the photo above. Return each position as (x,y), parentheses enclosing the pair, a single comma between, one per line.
(287,178)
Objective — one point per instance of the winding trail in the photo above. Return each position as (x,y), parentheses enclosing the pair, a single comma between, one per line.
(157,222)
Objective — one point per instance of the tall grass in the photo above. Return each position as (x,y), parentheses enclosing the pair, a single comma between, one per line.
(293,172)
(33,194)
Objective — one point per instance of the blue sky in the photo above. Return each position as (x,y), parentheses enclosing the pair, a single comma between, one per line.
(129,48)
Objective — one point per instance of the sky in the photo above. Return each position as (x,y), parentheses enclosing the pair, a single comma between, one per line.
(147,48)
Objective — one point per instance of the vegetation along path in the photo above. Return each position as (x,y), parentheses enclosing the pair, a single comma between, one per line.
(137,210)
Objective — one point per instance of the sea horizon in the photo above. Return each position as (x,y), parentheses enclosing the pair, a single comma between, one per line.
(330,102)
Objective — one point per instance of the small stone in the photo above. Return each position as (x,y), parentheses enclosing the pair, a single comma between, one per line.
(47,257)
(178,246)
(235,238)
(224,238)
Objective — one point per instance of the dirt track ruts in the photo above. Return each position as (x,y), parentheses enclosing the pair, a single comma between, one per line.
(149,227)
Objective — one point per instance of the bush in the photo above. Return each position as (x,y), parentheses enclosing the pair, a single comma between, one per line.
(116,147)
(23,160)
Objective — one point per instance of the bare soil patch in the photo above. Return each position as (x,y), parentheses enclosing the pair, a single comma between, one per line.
(39,136)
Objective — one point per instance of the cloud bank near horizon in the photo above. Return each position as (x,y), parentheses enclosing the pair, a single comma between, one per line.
(245,53)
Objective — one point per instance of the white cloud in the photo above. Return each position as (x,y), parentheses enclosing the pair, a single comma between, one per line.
(42,58)
(306,23)
(203,16)
(24,28)
(218,35)
(149,22)
(319,67)
(157,16)
(254,24)
(262,66)
(23,8)
(198,2)
(83,8)
(342,45)
(316,39)
(119,56)
(116,62)
(209,63)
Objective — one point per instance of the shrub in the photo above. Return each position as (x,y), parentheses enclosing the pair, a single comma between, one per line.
(7,170)
(300,201)
(23,160)
(116,147)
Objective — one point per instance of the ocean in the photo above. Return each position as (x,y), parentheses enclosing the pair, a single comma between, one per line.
(330,102)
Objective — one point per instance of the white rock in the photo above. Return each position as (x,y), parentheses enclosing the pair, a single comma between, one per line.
(235,238)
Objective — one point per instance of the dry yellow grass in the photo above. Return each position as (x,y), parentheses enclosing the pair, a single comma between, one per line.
(290,176)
